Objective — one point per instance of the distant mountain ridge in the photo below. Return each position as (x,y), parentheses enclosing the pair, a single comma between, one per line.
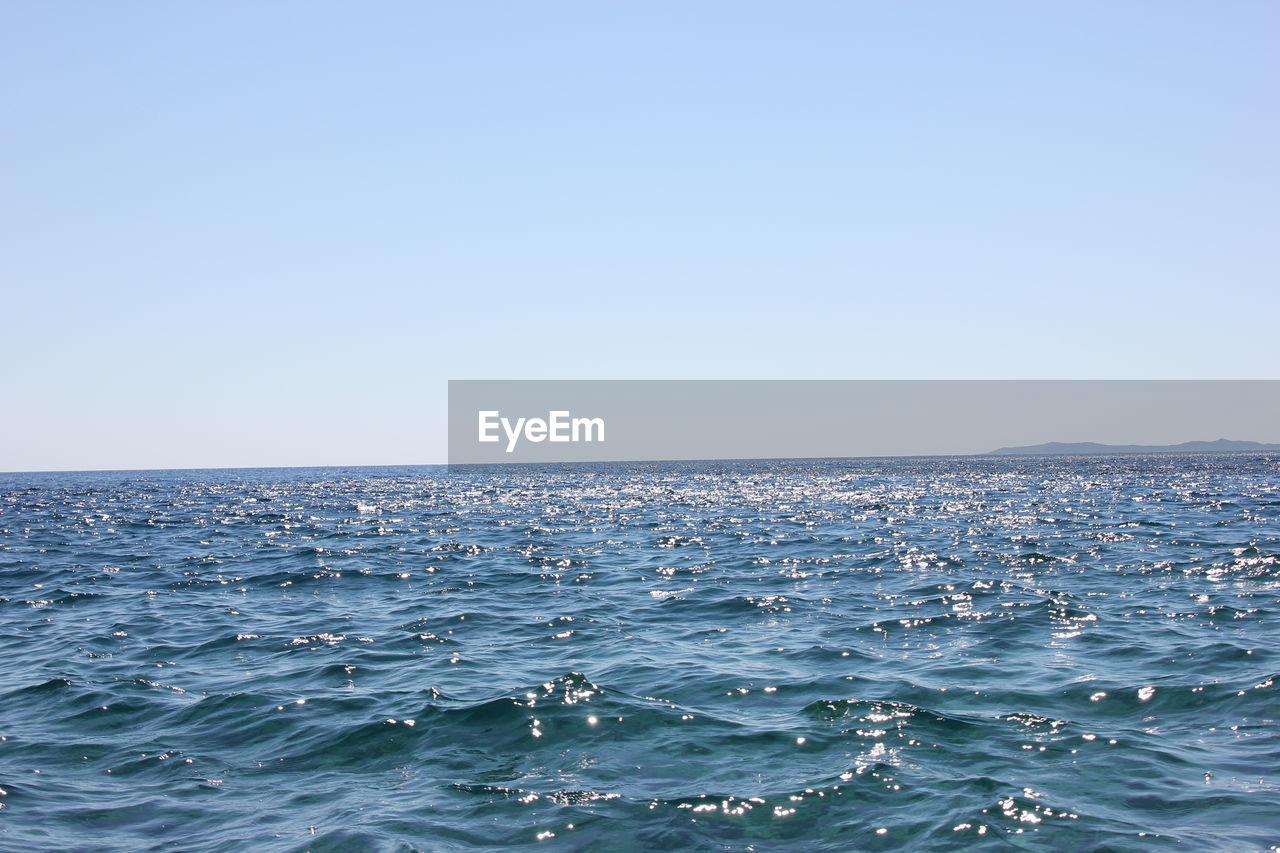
(1092,448)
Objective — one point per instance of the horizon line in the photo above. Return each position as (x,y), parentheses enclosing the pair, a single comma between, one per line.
(984,454)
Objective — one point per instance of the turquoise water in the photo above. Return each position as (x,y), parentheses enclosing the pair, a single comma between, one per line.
(924,654)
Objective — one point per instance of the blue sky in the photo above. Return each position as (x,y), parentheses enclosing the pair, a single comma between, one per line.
(268,233)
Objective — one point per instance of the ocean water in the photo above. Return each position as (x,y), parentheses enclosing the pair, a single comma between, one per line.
(912,654)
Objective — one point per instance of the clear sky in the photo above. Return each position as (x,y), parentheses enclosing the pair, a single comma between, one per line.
(267,233)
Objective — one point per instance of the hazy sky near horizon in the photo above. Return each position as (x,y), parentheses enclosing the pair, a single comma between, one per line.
(245,233)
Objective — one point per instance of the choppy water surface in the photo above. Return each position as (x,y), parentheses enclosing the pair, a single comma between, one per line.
(931,654)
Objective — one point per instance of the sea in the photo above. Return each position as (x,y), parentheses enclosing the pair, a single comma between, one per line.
(969,653)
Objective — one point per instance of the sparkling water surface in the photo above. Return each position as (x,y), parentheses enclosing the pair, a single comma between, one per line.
(920,654)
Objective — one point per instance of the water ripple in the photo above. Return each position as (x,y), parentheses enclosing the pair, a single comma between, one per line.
(837,655)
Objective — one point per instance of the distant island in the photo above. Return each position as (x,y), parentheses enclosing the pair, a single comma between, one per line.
(1092,448)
